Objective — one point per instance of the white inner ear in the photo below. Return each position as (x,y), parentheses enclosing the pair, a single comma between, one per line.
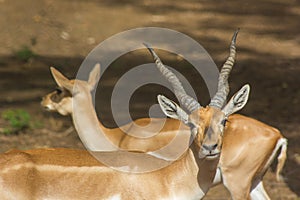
(167,106)
(171,109)
(238,101)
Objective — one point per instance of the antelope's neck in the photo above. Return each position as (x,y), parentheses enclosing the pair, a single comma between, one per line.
(197,174)
(85,119)
(207,170)
(183,175)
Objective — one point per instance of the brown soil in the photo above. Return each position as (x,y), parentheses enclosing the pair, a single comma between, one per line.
(61,34)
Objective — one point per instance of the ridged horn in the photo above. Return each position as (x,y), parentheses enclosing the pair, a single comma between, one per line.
(187,101)
(223,87)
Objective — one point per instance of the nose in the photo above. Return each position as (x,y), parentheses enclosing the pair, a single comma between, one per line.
(46,107)
(210,147)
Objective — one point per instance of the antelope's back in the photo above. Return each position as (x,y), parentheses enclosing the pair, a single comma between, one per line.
(247,145)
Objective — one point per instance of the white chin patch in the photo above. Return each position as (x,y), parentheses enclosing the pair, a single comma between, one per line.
(202,155)
(213,156)
(49,108)
(63,112)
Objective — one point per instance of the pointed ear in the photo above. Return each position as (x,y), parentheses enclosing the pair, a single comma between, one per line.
(61,80)
(171,109)
(238,101)
(94,76)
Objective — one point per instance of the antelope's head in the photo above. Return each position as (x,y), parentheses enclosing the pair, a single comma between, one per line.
(207,123)
(61,100)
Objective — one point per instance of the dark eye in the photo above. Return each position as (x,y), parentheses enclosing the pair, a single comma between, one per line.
(58,90)
(223,122)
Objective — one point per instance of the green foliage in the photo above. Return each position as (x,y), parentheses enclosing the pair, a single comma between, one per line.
(24,54)
(17,119)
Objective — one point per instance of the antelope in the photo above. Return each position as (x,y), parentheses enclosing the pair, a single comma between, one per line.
(242,135)
(61,100)
(75,174)
(239,159)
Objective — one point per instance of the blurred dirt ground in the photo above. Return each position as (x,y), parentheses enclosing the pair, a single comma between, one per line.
(62,33)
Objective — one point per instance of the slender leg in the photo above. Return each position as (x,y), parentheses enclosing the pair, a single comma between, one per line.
(238,187)
(259,193)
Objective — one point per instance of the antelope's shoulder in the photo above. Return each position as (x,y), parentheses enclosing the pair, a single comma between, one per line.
(247,124)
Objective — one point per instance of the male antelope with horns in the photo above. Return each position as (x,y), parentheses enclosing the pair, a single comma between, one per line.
(240,161)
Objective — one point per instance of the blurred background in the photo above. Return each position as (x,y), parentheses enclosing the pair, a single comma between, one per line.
(37,34)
